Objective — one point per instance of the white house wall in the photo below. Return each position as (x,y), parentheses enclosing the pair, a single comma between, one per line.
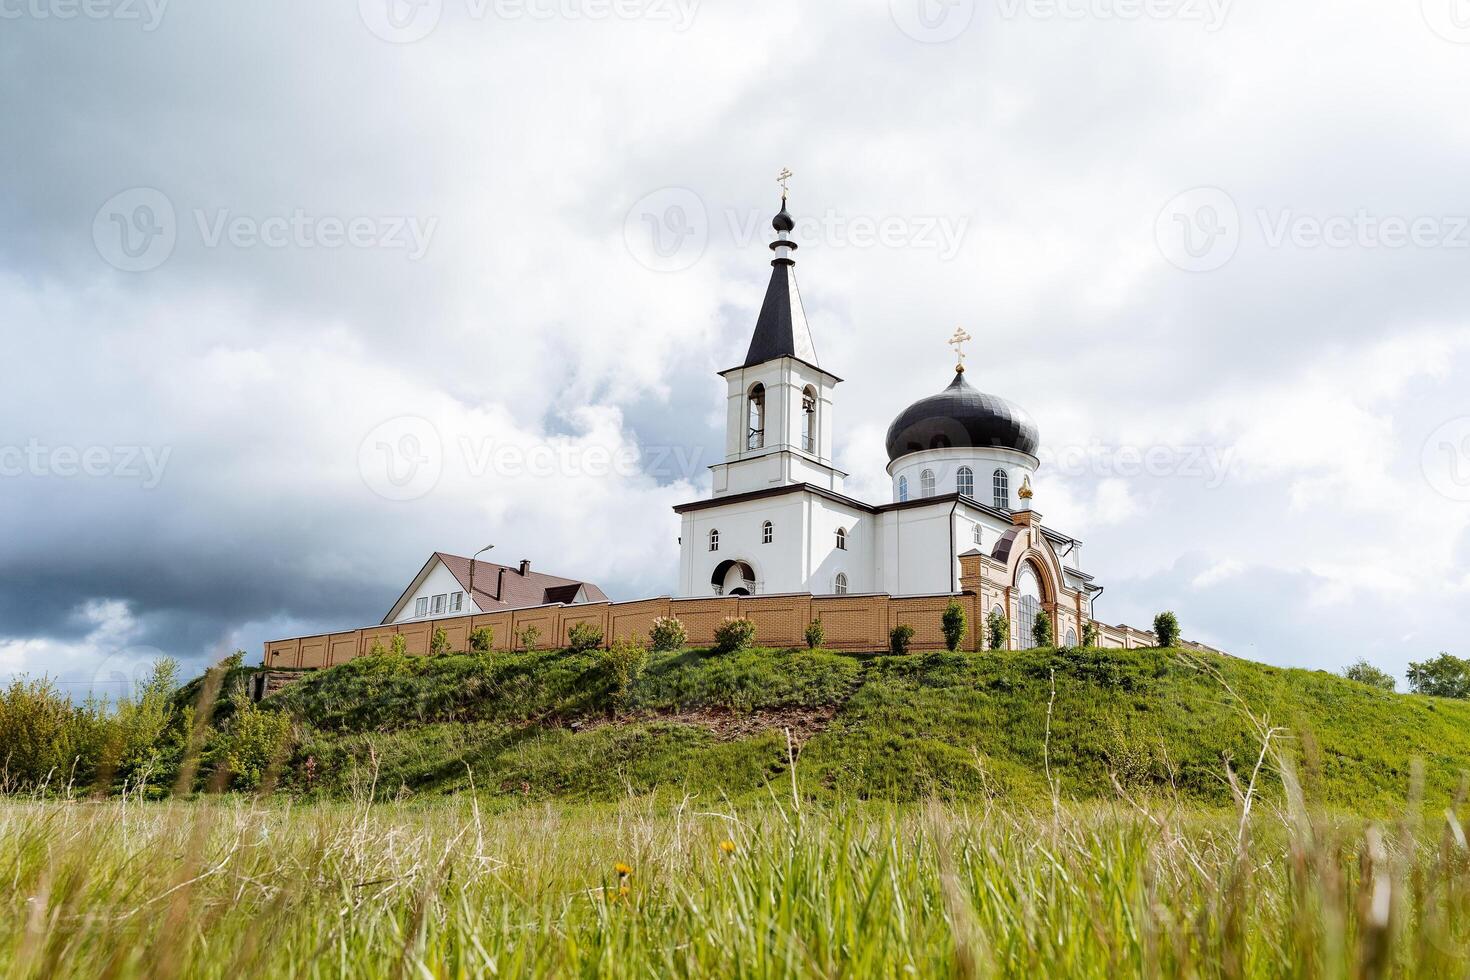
(438,581)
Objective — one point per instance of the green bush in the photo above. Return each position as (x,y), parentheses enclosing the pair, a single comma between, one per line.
(253,746)
(997,628)
(482,640)
(439,643)
(955,625)
(398,646)
(583,637)
(1041,631)
(1089,634)
(1365,673)
(1443,677)
(1166,629)
(816,634)
(667,635)
(529,638)
(735,633)
(624,662)
(899,638)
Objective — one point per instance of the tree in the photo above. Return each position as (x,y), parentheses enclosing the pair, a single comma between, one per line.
(1166,629)
(955,625)
(1041,632)
(1365,673)
(996,628)
(1089,634)
(439,643)
(1443,677)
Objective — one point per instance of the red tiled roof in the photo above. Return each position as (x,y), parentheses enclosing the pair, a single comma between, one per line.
(504,587)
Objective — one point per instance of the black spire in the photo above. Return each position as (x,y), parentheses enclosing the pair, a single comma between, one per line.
(781,330)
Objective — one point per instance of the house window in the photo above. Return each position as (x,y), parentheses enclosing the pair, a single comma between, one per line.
(842,539)
(714,539)
(756,438)
(926,483)
(839,585)
(456,601)
(1071,638)
(767,532)
(903,489)
(809,420)
(439,602)
(1000,485)
(977,535)
(421,606)
(965,481)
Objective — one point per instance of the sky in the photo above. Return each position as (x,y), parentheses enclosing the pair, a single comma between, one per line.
(293,295)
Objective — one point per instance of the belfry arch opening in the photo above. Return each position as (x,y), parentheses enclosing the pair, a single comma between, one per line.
(734,576)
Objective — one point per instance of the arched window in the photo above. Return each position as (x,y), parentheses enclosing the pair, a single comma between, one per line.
(809,419)
(1000,484)
(965,481)
(756,438)
(839,585)
(978,540)
(1028,605)
(1071,638)
(842,539)
(903,489)
(926,483)
(767,532)
(714,540)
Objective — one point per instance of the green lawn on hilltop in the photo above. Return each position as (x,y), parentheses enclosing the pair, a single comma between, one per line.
(957,726)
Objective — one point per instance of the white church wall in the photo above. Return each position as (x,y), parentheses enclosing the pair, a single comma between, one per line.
(827,561)
(946,463)
(915,543)
(778,565)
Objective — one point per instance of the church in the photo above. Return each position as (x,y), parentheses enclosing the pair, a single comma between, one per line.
(961,463)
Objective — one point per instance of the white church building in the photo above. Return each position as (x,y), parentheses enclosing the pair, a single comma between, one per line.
(961,462)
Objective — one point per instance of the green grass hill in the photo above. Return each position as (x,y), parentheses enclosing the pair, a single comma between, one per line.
(953,726)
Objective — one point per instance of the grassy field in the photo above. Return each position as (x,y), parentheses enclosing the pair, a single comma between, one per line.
(956,727)
(700,889)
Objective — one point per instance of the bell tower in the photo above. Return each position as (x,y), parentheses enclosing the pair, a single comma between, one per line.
(778,427)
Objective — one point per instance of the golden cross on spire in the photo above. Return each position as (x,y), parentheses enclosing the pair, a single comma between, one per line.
(958,342)
(782,178)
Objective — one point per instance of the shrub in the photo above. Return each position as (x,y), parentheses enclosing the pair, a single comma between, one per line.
(734,634)
(667,634)
(255,744)
(1166,629)
(997,628)
(1365,673)
(439,643)
(398,646)
(583,637)
(1443,677)
(624,663)
(1089,634)
(1041,631)
(482,640)
(955,625)
(816,634)
(898,639)
(529,638)
(377,649)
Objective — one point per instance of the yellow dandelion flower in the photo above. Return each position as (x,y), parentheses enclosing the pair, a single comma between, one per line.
(622,869)
(728,846)
(623,892)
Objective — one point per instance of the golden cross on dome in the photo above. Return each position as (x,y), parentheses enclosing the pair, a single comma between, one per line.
(958,342)
(782,178)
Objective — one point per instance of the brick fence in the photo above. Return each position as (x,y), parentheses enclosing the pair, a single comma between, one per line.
(855,622)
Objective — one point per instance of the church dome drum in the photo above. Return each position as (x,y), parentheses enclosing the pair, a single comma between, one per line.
(962,416)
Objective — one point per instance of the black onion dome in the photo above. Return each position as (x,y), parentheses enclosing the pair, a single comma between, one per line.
(783,222)
(961,416)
